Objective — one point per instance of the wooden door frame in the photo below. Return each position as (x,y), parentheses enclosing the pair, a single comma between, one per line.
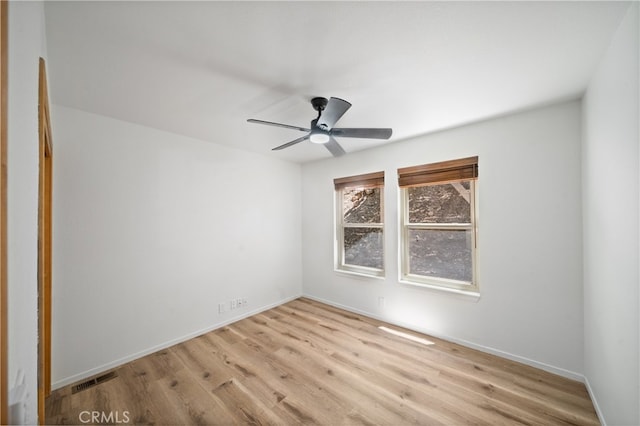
(4,382)
(44,242)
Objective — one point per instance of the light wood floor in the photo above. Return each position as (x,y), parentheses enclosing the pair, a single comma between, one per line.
(309,363)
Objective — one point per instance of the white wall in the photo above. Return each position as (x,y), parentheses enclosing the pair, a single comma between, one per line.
(530,246)
(152,230)
(26,46)
(611,192)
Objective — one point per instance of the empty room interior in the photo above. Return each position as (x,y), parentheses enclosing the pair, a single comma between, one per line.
(320,212)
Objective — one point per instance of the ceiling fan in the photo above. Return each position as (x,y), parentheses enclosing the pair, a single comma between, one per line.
(322,130)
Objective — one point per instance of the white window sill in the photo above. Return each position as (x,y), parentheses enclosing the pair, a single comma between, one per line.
(358,274)
(466,294)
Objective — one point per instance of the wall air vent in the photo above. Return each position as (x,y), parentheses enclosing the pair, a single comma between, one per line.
(93,382)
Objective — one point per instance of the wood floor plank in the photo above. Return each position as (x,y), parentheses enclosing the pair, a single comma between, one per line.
(309,363)
(192,404)
(207,362)
(146,404)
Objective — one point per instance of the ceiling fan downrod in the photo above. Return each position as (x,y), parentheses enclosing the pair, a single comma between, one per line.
(319,104)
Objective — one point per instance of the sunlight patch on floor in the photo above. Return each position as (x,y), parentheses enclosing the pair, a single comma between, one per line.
(406,336)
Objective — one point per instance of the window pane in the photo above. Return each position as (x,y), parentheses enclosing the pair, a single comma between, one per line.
(447,203)
(361,205)
(442,254)
(363,247)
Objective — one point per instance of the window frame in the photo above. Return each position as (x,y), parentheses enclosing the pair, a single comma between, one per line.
(365,181)
(438,174)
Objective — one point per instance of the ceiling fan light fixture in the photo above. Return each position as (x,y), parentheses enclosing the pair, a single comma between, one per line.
(319,137)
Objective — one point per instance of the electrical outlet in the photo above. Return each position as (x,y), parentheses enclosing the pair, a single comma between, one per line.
(244,302)
(234,303)
(381,302)
(221,308)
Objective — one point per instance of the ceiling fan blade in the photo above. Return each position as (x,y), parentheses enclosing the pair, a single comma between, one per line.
(334,148)
(335,109)
(363,133)
(271,123)
(288,144)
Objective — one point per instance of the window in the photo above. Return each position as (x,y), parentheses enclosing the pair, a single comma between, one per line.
(359,224)
(438,224)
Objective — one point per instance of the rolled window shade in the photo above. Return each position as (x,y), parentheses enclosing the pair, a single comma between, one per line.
(445,171)
(368,180)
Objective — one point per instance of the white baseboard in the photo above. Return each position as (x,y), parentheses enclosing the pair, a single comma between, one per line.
(536,364)
(116,363)
(594,401)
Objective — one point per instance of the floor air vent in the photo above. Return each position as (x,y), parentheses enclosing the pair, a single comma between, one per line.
(93,382)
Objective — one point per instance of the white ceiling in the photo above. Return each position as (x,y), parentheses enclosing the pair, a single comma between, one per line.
(202,68)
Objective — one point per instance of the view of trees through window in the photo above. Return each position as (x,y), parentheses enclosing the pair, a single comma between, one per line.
(440,231)
(363,245)
(448,203)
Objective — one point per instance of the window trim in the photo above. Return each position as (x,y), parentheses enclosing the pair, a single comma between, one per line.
(465,169)
(364,181)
